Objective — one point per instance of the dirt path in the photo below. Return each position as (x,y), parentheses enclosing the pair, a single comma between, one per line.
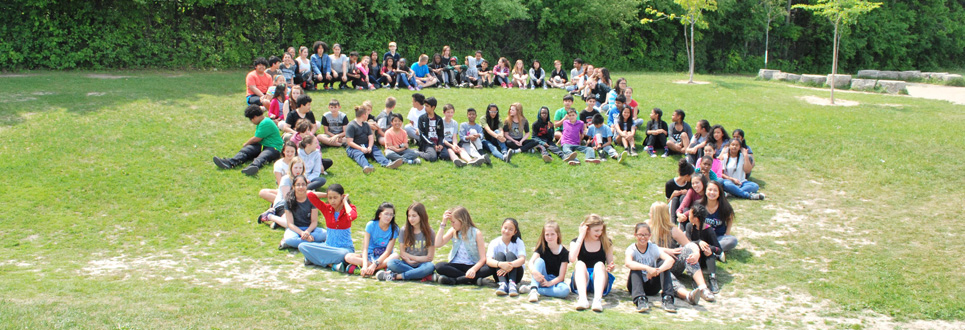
(936,92)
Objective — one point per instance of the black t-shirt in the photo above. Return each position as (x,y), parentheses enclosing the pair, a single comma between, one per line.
(516,130)
(706,235)
(561,73)
(302,213)
(672,186)
(544,131)
(359,133)
(293,117)
(553,261)
(657,124)
(587,116)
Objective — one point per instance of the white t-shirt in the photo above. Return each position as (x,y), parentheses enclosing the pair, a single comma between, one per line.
(497,245)
(281,167)
(414,114)
(303,66)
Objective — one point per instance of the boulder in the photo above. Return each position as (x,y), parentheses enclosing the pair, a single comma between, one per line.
(933,75)
(892,86)
(910,75)
(863,84)
(950,77)
(782,76)
(815,79)
(889,75)
(767,74)
(868,74)
(793,77)
(840,80)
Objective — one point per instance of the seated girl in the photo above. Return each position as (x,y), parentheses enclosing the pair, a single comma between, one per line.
(698,186)
(387,74)
(548,265)
(275,111)
(507,255)
(375,70)
(720,216)
(592,252)
(467,261)
(733,176)
(414,260)
(405,77)
(649,274)
(275,215)
(520,78)
(501,73)
(302,217)
(738,134)
(698,231)
(339,214)
(543,134)
(537,76)
(675,189)
(675,243)
(314,167)
(377,242)
(516,130)
(626,131)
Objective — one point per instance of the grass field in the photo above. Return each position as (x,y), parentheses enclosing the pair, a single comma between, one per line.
(112,214)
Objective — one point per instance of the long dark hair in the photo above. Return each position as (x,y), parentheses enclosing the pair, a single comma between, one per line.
(616,86)
(336,188)
(724,210)
(724,137)
(408,237)
(699,212)
(291,202)
(492,121)
(703,180)
(378,216)
(742,139)
(517,235)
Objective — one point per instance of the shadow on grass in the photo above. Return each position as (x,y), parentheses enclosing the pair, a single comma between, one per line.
(758,181)
(730,84)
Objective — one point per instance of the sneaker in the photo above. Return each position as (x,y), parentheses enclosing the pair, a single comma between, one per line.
(597,305)
(712,284)
(570,157)
(487,160)
(532,87)
(501,291)
(446,280)
(665,154)
(620,159)
(693,297)
(395,164)
(508,156)
(593,160)
(222,163)
(582,304)
(504,85)
(251,170)
(651,153)
(417,161)
(353,270)
(513,292)
(573,162)
(668,304)
(308,263)
(411,88)
(418,88)
(757,196)
(533,296)
(707,295)
(722,257)
(384,275)
(547,158)
(633,152)
(430,278)
(338,267)
(360,88)
(459,162)
(643,305)
(368,169)
(476,162)
(544,86)
(396,88)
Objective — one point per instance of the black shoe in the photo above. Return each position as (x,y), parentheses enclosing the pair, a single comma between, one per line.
(668,305)
(643,305)
(251,170)
(308,263)
(443,279)
(222,163)
(712,284)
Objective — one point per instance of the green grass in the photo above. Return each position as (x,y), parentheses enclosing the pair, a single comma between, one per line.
(862,209)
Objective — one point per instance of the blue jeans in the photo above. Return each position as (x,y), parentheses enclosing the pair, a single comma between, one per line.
(321,254)
(291,238)
(744,190)
(359,157)
(608,150)
(408,272)
(493,149)
(405,81)
(558,290)
(570,148)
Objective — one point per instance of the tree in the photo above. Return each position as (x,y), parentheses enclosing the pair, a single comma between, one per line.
(694,16)
(772,9)
(839,12)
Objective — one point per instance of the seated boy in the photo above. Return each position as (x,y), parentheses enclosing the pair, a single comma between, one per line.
(258,82)
(421,72)
(418,109)
(333,126)
(656,133)
(261,149)
(572,135)
(431,131)
(601,139)
(361,142)
(561,114)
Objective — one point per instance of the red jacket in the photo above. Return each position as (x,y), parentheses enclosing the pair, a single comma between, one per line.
(344,220)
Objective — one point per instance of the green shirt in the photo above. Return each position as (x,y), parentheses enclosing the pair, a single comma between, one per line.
(559,116)
(268,132)
(713,176)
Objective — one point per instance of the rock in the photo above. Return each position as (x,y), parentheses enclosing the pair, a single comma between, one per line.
(793,77)
(889,75)
(863,84)
(767,74)
(910,75)
(868,74)
(840,80)
(950,77)
(814,79)
(892,86)
(933,75)
(782,76)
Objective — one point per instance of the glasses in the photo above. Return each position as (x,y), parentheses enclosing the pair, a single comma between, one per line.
(388,215)
(642,235)
(301,185)
(493,111)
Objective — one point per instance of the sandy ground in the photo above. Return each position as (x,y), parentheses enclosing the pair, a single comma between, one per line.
(936,92)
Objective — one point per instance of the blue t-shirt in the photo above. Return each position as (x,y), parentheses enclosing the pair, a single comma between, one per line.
(613,114)
(420,70)
(379,239)
(604,131)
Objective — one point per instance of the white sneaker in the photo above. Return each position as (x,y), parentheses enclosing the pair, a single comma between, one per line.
(582,304)
(533,296)
(395,164)
(368,170)
(597,305)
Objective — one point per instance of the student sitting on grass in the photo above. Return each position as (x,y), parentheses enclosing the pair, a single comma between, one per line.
(520,78)
(560,115)
(698,231)
(414,260)
(257,82)
(430,131)
(720,217)
(718,139)
(548,264)
(377,242)
(303,72)
(680,134)
(288,151)
(451,149)
(275,112)
(340,64)
(577,76)
(675,189)
(697,143)
(501,72)
(471,137)
(649,274)
(384,119)
(656,133)
(495,140)
(587,114)
(733,178)
(516,130)
(537,76)
(388,75)
(738,134)
(601,140)
(625,131)
(293,94)
(339,214)
(397,145)
(288,69)
(392,52)
(437,68)
(507,255)
(259,149)
(708,165)
(302,217)
(592,253)
(698,186)
(467,259)
(611,99)
(557,78)
(675,243)
(471,77)
(486,75)
(543,134)
(572,135)
(418,109)
(374,70)
(633,105)
(303,111)
(309,152)
(405,76)
(275,215)
(421,73)
(333,125)
(362,68)
(361,143)
(321,66)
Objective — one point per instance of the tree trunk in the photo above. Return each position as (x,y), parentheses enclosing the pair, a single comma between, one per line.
(834,61)
(692,51)
(787,18)
(767,37)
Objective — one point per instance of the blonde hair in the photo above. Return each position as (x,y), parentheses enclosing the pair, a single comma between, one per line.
(661,226)
(392,43)
(461,214)
(541,245)
(423,57)
(519,114)
(296,160)
(518,68)
(594,220)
